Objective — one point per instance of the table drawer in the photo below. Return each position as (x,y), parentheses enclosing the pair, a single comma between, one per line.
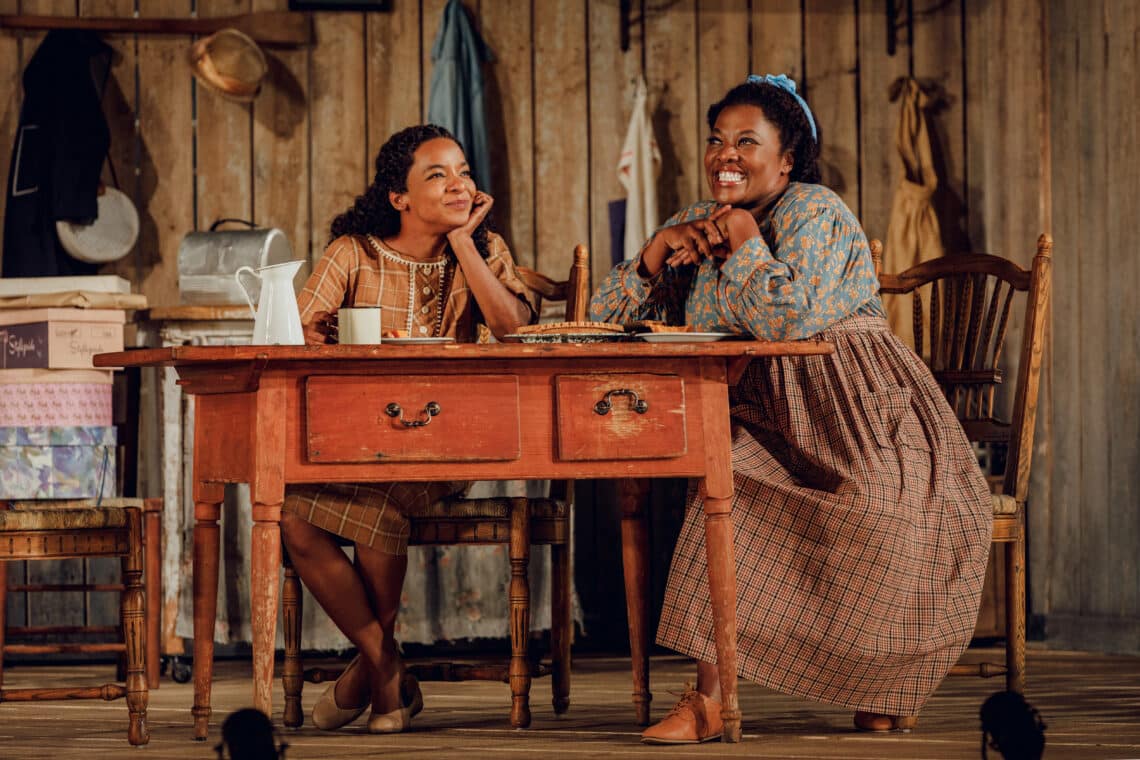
(620,416)
(412,418)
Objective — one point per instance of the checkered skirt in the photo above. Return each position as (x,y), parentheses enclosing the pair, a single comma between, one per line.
(372,514)
(862,529)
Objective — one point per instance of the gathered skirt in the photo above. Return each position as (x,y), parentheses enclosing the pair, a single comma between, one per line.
(862,527)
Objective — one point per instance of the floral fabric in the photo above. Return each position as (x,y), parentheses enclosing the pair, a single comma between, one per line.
(861,521)
(810,267)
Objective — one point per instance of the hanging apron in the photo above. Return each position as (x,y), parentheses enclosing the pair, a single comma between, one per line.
(913,234)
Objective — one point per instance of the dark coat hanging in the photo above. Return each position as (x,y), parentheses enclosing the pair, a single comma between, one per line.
(58,153)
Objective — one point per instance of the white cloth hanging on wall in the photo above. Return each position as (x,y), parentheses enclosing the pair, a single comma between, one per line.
(638,167)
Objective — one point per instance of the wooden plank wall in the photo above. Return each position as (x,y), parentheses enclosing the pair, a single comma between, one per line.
(559,98)
(559,93)
(1090,587)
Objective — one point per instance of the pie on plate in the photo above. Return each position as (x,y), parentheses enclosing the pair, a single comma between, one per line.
(571,328)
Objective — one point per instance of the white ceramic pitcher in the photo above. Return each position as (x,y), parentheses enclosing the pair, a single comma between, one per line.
(276,320)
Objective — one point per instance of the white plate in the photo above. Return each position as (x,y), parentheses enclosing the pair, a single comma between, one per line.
(685,337)
(414,341)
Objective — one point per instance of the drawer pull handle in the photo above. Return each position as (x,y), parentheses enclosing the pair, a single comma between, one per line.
(430,410)
(641,406)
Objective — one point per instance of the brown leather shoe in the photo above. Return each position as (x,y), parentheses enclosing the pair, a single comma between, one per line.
(695,718)
(869,721)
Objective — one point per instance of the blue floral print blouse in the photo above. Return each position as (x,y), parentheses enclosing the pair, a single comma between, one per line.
(809,268)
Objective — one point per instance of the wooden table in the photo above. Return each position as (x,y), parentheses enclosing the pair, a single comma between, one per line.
(271,415)
(171,415)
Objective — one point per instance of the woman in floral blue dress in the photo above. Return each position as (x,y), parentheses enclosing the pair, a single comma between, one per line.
(861,519)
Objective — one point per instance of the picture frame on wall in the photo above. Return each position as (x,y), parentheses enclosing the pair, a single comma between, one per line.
(340,5)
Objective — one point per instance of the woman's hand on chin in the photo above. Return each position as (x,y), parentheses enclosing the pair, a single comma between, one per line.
(480,206)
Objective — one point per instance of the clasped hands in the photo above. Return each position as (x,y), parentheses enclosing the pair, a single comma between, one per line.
(714,236)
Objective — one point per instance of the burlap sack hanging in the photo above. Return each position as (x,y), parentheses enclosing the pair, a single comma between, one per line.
(913,235)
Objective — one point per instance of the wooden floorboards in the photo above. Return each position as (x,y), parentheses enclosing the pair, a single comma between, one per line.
(1091,704)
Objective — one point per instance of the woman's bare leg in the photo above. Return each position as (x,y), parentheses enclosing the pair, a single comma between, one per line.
(708,680)
(333,581)
(383,576)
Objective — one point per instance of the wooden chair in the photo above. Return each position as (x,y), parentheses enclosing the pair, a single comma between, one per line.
(152,581)
(40,532)
(961,312)
(518,522)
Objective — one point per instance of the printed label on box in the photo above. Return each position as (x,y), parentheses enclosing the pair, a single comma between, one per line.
(57,345)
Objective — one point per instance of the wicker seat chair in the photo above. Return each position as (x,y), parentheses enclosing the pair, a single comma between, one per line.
(30,531)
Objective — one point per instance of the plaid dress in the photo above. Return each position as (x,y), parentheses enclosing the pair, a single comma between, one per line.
(862,521)
(420,298)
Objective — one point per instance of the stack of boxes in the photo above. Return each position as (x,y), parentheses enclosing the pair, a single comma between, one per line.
(57,435)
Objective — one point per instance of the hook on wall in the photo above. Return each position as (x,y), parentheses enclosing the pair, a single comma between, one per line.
(892,11)
(624,9)
(893,23)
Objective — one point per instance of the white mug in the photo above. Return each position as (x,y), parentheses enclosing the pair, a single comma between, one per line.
(358,325)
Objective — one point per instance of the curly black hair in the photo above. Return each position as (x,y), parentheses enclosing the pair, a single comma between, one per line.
(1012,726)
(372,213)
(248,735)
(782,109)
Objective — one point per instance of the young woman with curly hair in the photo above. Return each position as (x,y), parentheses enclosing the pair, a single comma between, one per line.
(416,244)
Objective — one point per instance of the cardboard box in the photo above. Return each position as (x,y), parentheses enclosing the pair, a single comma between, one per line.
(99,283)
(57,345)
(55,404)
(61,314)
(41,376)
(57,462)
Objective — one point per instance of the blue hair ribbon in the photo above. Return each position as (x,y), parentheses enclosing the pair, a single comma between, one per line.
(786,83)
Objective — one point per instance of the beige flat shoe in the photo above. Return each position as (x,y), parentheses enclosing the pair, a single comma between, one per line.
(395,722)
(327,714)
(400,719)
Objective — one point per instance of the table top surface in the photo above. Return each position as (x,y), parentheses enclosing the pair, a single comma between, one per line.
(183,355)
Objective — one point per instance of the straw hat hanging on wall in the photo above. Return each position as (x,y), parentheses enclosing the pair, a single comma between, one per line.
(229,63)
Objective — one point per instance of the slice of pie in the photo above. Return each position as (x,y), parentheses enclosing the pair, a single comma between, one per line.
(655,326)
(571,328)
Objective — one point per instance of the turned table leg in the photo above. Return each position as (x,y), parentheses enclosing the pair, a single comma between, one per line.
(717,490)
(207,510)
(632,497)
(265,551)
